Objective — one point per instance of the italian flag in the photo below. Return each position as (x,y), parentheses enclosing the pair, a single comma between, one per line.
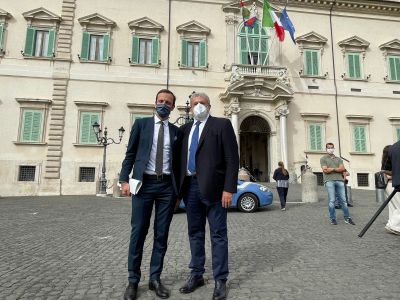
(270,19)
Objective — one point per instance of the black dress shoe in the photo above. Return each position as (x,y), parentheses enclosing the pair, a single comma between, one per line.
(159,288)
(191,284)
(219,290)
(131,291)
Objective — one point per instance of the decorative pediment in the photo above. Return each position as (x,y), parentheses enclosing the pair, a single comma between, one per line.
(41,14)
(311,39)
(354,43)
(234,6)
(4,16)
(391,47)
(193,27)
(96,20)
(145,25)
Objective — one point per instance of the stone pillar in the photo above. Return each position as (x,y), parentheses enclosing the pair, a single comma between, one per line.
(231,40)
(282,113)
(235,109)
(309,187)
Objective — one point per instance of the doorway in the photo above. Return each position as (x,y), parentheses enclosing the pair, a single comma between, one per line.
(254,147)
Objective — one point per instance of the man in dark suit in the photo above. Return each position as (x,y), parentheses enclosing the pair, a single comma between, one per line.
(209,171)
(151,152)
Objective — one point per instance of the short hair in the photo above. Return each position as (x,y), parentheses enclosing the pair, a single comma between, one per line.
(202,95)
(329,144)
(166,91)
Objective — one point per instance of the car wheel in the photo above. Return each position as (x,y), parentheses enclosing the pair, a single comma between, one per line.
(248,203)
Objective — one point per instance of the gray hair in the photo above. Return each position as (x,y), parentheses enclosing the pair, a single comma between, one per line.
(202,95)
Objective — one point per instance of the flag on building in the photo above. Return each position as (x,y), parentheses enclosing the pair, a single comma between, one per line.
(287,24)
(270,19)
(249,15)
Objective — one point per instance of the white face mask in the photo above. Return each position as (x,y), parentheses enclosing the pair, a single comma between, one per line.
(200,112)
(330,151)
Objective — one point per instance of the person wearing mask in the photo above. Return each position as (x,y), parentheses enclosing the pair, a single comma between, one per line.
(333,168)
(281,176)
(151,155)
(209,167)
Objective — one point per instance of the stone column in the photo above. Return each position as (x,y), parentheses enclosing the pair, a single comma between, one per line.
(282,112)
(235,109)
(231,24)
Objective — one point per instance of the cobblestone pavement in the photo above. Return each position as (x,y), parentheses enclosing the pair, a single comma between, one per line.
(71,247)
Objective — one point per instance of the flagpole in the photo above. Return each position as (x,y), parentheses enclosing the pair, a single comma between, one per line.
(272,43)
(259,43)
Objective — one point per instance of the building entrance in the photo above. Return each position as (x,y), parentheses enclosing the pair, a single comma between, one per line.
(254,147)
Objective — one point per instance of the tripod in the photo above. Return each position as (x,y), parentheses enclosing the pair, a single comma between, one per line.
(378,212)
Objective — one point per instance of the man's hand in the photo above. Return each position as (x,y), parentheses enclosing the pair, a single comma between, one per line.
(125,190)
(226,199)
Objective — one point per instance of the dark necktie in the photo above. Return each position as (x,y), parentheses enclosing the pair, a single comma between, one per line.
(160,150)
(193,148)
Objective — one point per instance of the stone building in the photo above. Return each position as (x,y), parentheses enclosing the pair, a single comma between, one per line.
(65,64)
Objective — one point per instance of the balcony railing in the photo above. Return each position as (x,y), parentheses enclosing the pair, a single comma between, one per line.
(257,70)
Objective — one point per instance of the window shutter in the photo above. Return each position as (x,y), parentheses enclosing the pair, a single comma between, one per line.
(351,65)
(36,126)
(203,54)
(308,68)
(318,137)
(95,117)
(363,141)
(1,36)
(398,133)
(312,137)
(315,63)
(155,49)
(184,53)
(135,49)
(52,39)
(106,47)
(397,66)
(243,51)
(29,41)
(27,126)
(392,67)
(85,46)
(356,135)
(84,128)
(360,140)
(357,68)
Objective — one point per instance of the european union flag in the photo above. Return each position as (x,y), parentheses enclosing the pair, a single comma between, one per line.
(287,24)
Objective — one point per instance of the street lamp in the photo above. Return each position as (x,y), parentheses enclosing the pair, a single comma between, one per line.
(104,140)
(186,118)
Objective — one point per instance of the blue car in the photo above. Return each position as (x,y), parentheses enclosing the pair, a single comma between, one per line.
(249,197)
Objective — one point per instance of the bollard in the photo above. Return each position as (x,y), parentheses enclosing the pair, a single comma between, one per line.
(380,187)
(309,187)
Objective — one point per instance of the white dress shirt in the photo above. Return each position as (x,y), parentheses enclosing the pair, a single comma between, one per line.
(151,165)
(201,127)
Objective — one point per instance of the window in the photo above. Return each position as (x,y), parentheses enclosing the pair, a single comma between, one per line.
(32,125)
(95,47)
(26,173)
(253,45)
(1,38)
(362,179)
(194,54)
(311,62)
(135,117)
(320,178)
(145,51)
(86,132)
(86,174)
(394,68)
(39,42)
(354,65)
(315,137)
(360,138)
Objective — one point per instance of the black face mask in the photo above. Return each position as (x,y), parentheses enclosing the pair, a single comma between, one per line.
(163,110)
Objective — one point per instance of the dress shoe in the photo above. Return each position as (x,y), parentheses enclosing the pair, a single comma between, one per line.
(159,288)
(219,290)
(131,291)
(191,284)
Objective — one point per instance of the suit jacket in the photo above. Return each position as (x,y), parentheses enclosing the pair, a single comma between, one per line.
(217,159)
(139,147)
(393,164)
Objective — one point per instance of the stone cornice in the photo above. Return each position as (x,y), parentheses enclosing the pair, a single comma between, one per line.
(387,7)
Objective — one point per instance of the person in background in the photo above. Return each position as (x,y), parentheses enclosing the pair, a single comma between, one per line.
(281,176)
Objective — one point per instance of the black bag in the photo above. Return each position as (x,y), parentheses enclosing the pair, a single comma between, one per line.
(380,180)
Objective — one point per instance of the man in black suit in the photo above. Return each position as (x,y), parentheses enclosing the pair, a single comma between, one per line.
(209,171)
(393,164)
(151,152)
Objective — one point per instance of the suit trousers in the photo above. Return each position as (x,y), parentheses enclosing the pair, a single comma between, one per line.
(159,193)
(198,209)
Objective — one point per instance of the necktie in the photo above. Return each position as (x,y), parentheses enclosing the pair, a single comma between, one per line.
(193,148)
(160,150)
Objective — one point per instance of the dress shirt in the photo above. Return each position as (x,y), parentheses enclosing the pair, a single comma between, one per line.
(201,127)
(151,165)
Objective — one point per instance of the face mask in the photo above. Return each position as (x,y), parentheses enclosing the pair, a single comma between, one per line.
(200,112)
(163,110)
(330,151)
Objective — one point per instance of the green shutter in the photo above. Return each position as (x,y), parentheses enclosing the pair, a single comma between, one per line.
(155,48)
(351,65)
(392,67)
(315,63)
(397,67)
(1,37)
(29,41)
(318,137)
(31,126)
(95,117)
(87,135)
(184,53)
(243,51)
(308,59)
(360,139)
(312,137)
(357,67)
(135,50)
(52,39)
(106,47)
(203,54)
(398,133)
(85,46)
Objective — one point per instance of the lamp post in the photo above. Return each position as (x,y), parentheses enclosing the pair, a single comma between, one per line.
(104,140)
(186,118)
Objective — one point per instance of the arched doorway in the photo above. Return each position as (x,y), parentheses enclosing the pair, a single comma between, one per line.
(254,147)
